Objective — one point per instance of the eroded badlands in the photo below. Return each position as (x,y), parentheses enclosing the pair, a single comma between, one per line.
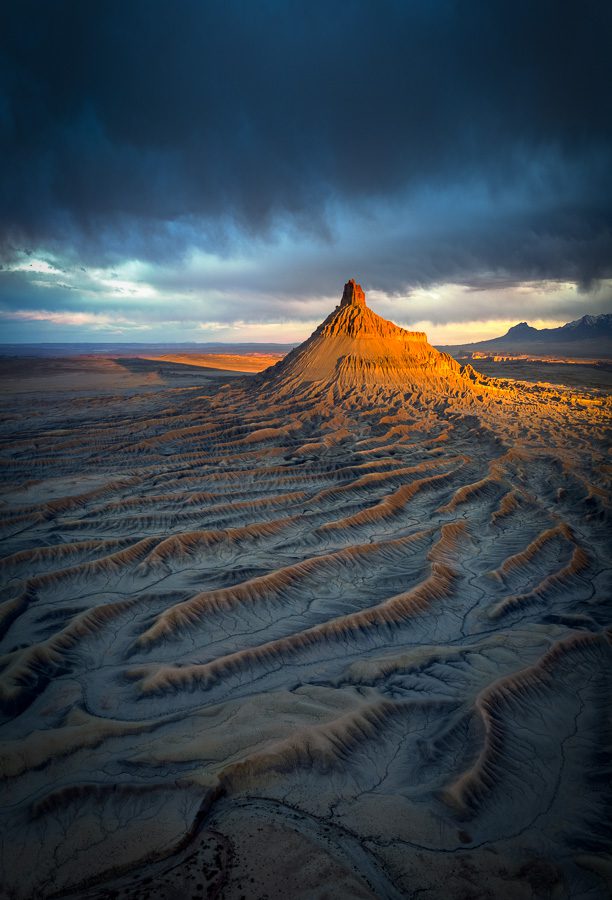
(340,629)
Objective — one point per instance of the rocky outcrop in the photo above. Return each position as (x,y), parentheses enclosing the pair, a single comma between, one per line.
(355,348)
(353,294)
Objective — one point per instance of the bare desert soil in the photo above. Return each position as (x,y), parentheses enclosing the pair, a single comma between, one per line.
(280,638)
(230,362)
(576,374)
(95,373)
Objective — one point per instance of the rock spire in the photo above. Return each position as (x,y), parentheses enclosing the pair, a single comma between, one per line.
(353,294)
(355,349)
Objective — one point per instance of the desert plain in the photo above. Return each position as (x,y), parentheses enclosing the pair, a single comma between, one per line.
(329,625)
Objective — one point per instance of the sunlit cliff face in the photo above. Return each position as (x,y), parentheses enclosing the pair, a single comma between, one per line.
(353,347)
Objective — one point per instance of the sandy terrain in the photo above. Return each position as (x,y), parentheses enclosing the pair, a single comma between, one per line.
(95,373)
(230,362)
(339,629)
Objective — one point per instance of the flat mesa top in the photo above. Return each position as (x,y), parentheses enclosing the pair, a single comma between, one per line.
(353,294)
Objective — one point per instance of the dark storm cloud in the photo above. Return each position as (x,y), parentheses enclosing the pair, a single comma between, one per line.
(142,129)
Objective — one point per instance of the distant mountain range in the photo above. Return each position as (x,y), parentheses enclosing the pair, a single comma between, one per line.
(588,337)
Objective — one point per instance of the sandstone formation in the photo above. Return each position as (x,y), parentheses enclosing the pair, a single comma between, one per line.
(355,348)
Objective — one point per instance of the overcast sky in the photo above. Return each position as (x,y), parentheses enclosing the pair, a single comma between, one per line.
(216,171)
